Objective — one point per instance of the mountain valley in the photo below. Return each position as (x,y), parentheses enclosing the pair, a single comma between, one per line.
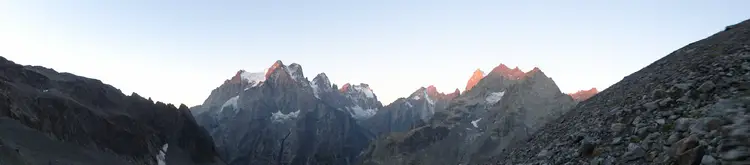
(690,107)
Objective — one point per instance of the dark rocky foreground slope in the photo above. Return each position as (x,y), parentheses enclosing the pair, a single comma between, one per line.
(48,117)
(690,107)
(505,106)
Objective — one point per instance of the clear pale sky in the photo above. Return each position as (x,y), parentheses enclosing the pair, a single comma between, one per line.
(178,51)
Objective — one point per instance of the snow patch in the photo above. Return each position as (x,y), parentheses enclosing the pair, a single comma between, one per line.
(408,104)
(360,113)
(45,90)
(231,102)
(161,158)
(367,91)
(278,117)
(254,78)
(416,97)
(475,122)
(494,97)
(427,97)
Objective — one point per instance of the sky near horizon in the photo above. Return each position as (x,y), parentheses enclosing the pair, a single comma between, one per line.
(178,51)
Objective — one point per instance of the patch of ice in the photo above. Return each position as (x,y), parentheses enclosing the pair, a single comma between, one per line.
(161,158)
(254,78)
(278,117)
(494,97)
(416,97)
(360,113)
(231,102)
(475,122)
(427,97)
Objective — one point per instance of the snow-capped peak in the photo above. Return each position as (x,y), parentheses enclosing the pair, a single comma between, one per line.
(251,78)
(362,88)
(320,83)
(254,78)
(294,71)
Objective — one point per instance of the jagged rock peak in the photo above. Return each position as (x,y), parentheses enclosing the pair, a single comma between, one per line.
(582,95)
(294,71)
(243,76)
(474,79)
(504,70)
(433,93)
(432,90)
(361,88)
(456,92)
(276,65)
(236,78)
(534,71)
(322,80)
(321,83)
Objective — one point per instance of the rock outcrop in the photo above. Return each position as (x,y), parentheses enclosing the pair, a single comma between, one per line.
(689,107)
(48,117)
(404,113)
(582,95)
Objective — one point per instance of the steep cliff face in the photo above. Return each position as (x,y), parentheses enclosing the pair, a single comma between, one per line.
(474,79)
(288,119)
(60,118)
(404,113)
(502,108)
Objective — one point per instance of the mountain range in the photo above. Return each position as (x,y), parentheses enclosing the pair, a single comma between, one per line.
(688,108)
(286,118)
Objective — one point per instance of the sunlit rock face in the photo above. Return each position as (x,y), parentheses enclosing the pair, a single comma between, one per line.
(582,95)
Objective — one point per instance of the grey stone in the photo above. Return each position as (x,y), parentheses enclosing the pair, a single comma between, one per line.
(707,86)
(617,140)
(709,160)
(738,153)
(634,152)
(683,124)
(617,128)
(666,102)
(636,121)
(657,93)
(661,121)
(650,106)
(683,86)
(673,138)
